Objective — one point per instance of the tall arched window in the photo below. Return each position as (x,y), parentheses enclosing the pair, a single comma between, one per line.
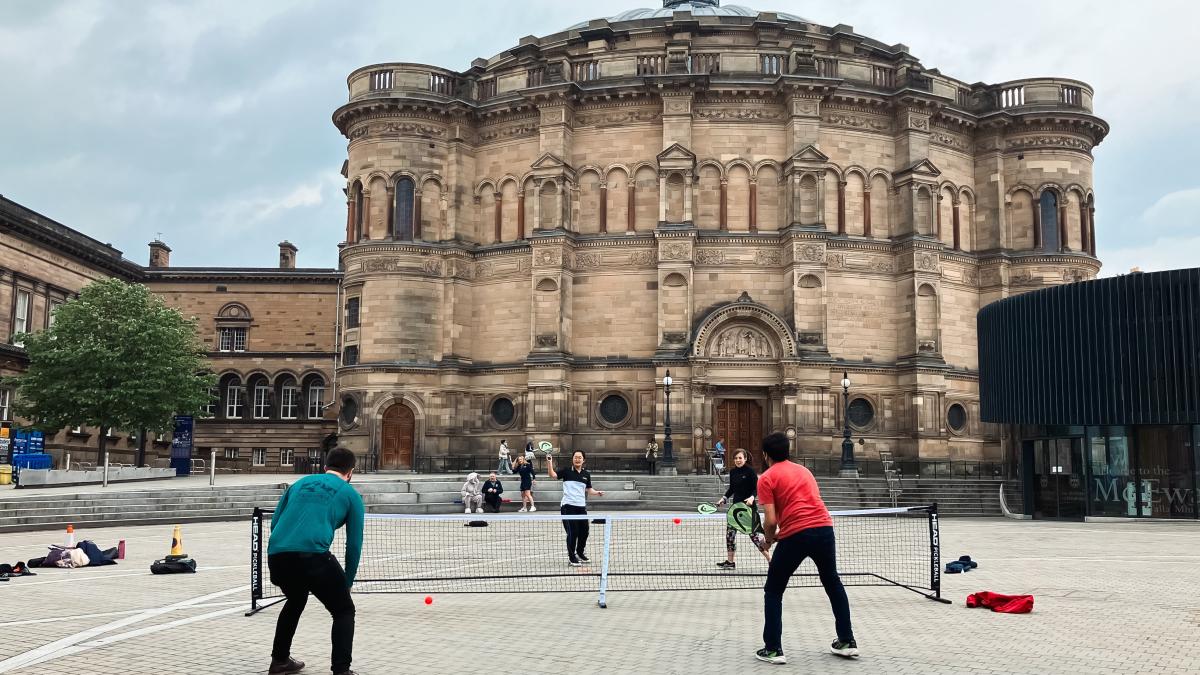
(402,226)
(1049,213)
(358,211)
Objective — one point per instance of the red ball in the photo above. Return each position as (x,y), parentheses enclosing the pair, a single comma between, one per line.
(428,600)
(678,521)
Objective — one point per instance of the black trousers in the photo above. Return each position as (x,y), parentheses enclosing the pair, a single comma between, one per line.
(299,574)
(577,530)
(493,500)
(816,543)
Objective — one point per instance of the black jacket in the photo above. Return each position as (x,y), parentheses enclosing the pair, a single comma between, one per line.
(489,485)
(743,484)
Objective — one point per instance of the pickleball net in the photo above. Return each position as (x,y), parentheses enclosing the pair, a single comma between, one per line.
(526,553)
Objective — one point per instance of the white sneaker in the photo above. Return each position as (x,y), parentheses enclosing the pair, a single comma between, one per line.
(468,510)
(532,509)
(521,510)
(479,510)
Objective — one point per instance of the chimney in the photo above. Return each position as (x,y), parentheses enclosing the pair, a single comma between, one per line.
(160,254)
(287,255)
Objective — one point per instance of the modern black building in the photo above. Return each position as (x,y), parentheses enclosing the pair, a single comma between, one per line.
(1098,384)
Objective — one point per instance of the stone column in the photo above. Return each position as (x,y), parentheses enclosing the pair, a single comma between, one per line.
(631,206)
(662,198)
(1084,235)
(687,199)
(1062,225)
(349,220)
(1092,227)
(1037,224)
(937,206)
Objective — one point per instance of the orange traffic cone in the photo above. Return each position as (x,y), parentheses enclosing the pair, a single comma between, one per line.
(70,536)
(177,544)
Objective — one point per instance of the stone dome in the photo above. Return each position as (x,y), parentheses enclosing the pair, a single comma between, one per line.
(696,7)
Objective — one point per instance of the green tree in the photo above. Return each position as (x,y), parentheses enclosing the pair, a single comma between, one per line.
(116,357)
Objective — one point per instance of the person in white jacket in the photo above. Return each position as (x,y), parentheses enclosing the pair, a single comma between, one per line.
(472,494)
(505,463)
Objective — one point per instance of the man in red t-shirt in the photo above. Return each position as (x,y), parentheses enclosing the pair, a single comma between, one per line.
(797,519)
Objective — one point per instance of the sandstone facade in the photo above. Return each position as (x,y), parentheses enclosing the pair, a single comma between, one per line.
(749,200)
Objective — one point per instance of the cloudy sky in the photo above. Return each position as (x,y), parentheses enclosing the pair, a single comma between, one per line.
(209,121)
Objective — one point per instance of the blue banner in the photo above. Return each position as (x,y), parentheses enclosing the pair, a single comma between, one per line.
(181,446)
(37,442)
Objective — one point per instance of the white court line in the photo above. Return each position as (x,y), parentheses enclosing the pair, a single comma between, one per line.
(127,612)
(47,650)
(89,577)
(148,630)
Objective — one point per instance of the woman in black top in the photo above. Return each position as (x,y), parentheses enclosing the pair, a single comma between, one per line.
(743,487)
(525,471)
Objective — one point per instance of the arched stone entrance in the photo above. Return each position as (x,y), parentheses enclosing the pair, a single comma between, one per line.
(397,439)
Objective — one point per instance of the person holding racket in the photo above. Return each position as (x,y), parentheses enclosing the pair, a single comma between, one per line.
(577,485)
(798,521)
(743,488)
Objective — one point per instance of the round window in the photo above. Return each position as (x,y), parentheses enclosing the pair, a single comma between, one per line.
(861,413)
(349,411)
(503,411)
(614,409)
(957,417)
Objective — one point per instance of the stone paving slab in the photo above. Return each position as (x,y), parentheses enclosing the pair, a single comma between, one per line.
(1111,598)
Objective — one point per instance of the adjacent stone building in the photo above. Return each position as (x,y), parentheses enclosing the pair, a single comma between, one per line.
(270,333)
(752,201)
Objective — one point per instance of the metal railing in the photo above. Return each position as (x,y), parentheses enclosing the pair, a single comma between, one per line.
(908,469)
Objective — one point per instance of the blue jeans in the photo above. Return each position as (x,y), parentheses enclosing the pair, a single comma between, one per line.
(816,543)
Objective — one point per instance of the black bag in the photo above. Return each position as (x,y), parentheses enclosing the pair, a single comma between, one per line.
(185,566)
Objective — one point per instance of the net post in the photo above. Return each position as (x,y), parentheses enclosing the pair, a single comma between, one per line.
(935,556)
(256,532)
(603,600)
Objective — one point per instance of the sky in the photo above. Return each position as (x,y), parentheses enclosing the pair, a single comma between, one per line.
(208,122)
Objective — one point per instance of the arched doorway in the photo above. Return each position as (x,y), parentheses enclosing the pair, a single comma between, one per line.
(740,423)
(399,429)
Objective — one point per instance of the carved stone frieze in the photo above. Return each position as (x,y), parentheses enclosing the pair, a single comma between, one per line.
(432,267)
(507,131)
(586,260)
(710,257)
(546,340)
(609,118)
(812,253)
(381,265)
(949,140)
(927,262)
(675,338)
(741,341)
(642,258)
(1025,278)
(406,129)
(991,277)
(864,122)
(1074,275)
(676,251)
(1068,142)
(739,115)
(547,257)
(768,258)
(836,261)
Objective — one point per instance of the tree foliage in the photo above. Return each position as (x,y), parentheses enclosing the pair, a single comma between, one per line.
(116,357)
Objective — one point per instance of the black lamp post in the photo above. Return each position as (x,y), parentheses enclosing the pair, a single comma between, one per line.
(848,469)
(668,464)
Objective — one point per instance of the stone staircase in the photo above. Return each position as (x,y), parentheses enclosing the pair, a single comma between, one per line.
(140,507)
(437,494)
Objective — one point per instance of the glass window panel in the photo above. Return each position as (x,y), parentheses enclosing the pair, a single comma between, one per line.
(262,401)
(288,407)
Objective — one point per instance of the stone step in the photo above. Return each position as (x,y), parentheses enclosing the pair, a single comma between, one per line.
(547,508)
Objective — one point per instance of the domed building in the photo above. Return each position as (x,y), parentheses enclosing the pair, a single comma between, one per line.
(747,199)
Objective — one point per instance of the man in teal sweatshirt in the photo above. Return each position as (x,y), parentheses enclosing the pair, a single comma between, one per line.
(298,556)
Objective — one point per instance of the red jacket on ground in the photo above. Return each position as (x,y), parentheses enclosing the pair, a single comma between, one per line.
(997,602)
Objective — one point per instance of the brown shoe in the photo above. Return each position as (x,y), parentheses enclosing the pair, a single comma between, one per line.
(289,666)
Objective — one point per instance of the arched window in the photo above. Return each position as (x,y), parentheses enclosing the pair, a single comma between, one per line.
(1049,213)
(358,211)
(235,399)
(402,226)
(314,397)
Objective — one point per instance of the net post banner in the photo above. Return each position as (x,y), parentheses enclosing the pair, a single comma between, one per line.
(256,532)
(935,553)
(603,601)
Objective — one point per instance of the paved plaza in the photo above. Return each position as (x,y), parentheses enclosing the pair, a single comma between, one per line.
(1111,598)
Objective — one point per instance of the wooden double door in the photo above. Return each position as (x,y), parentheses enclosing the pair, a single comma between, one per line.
(398,438)
(740,423)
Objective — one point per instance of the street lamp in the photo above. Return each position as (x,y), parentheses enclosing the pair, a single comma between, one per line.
(848,470)
(667,467)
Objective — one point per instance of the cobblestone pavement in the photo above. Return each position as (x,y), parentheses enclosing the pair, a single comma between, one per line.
(1111,598)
